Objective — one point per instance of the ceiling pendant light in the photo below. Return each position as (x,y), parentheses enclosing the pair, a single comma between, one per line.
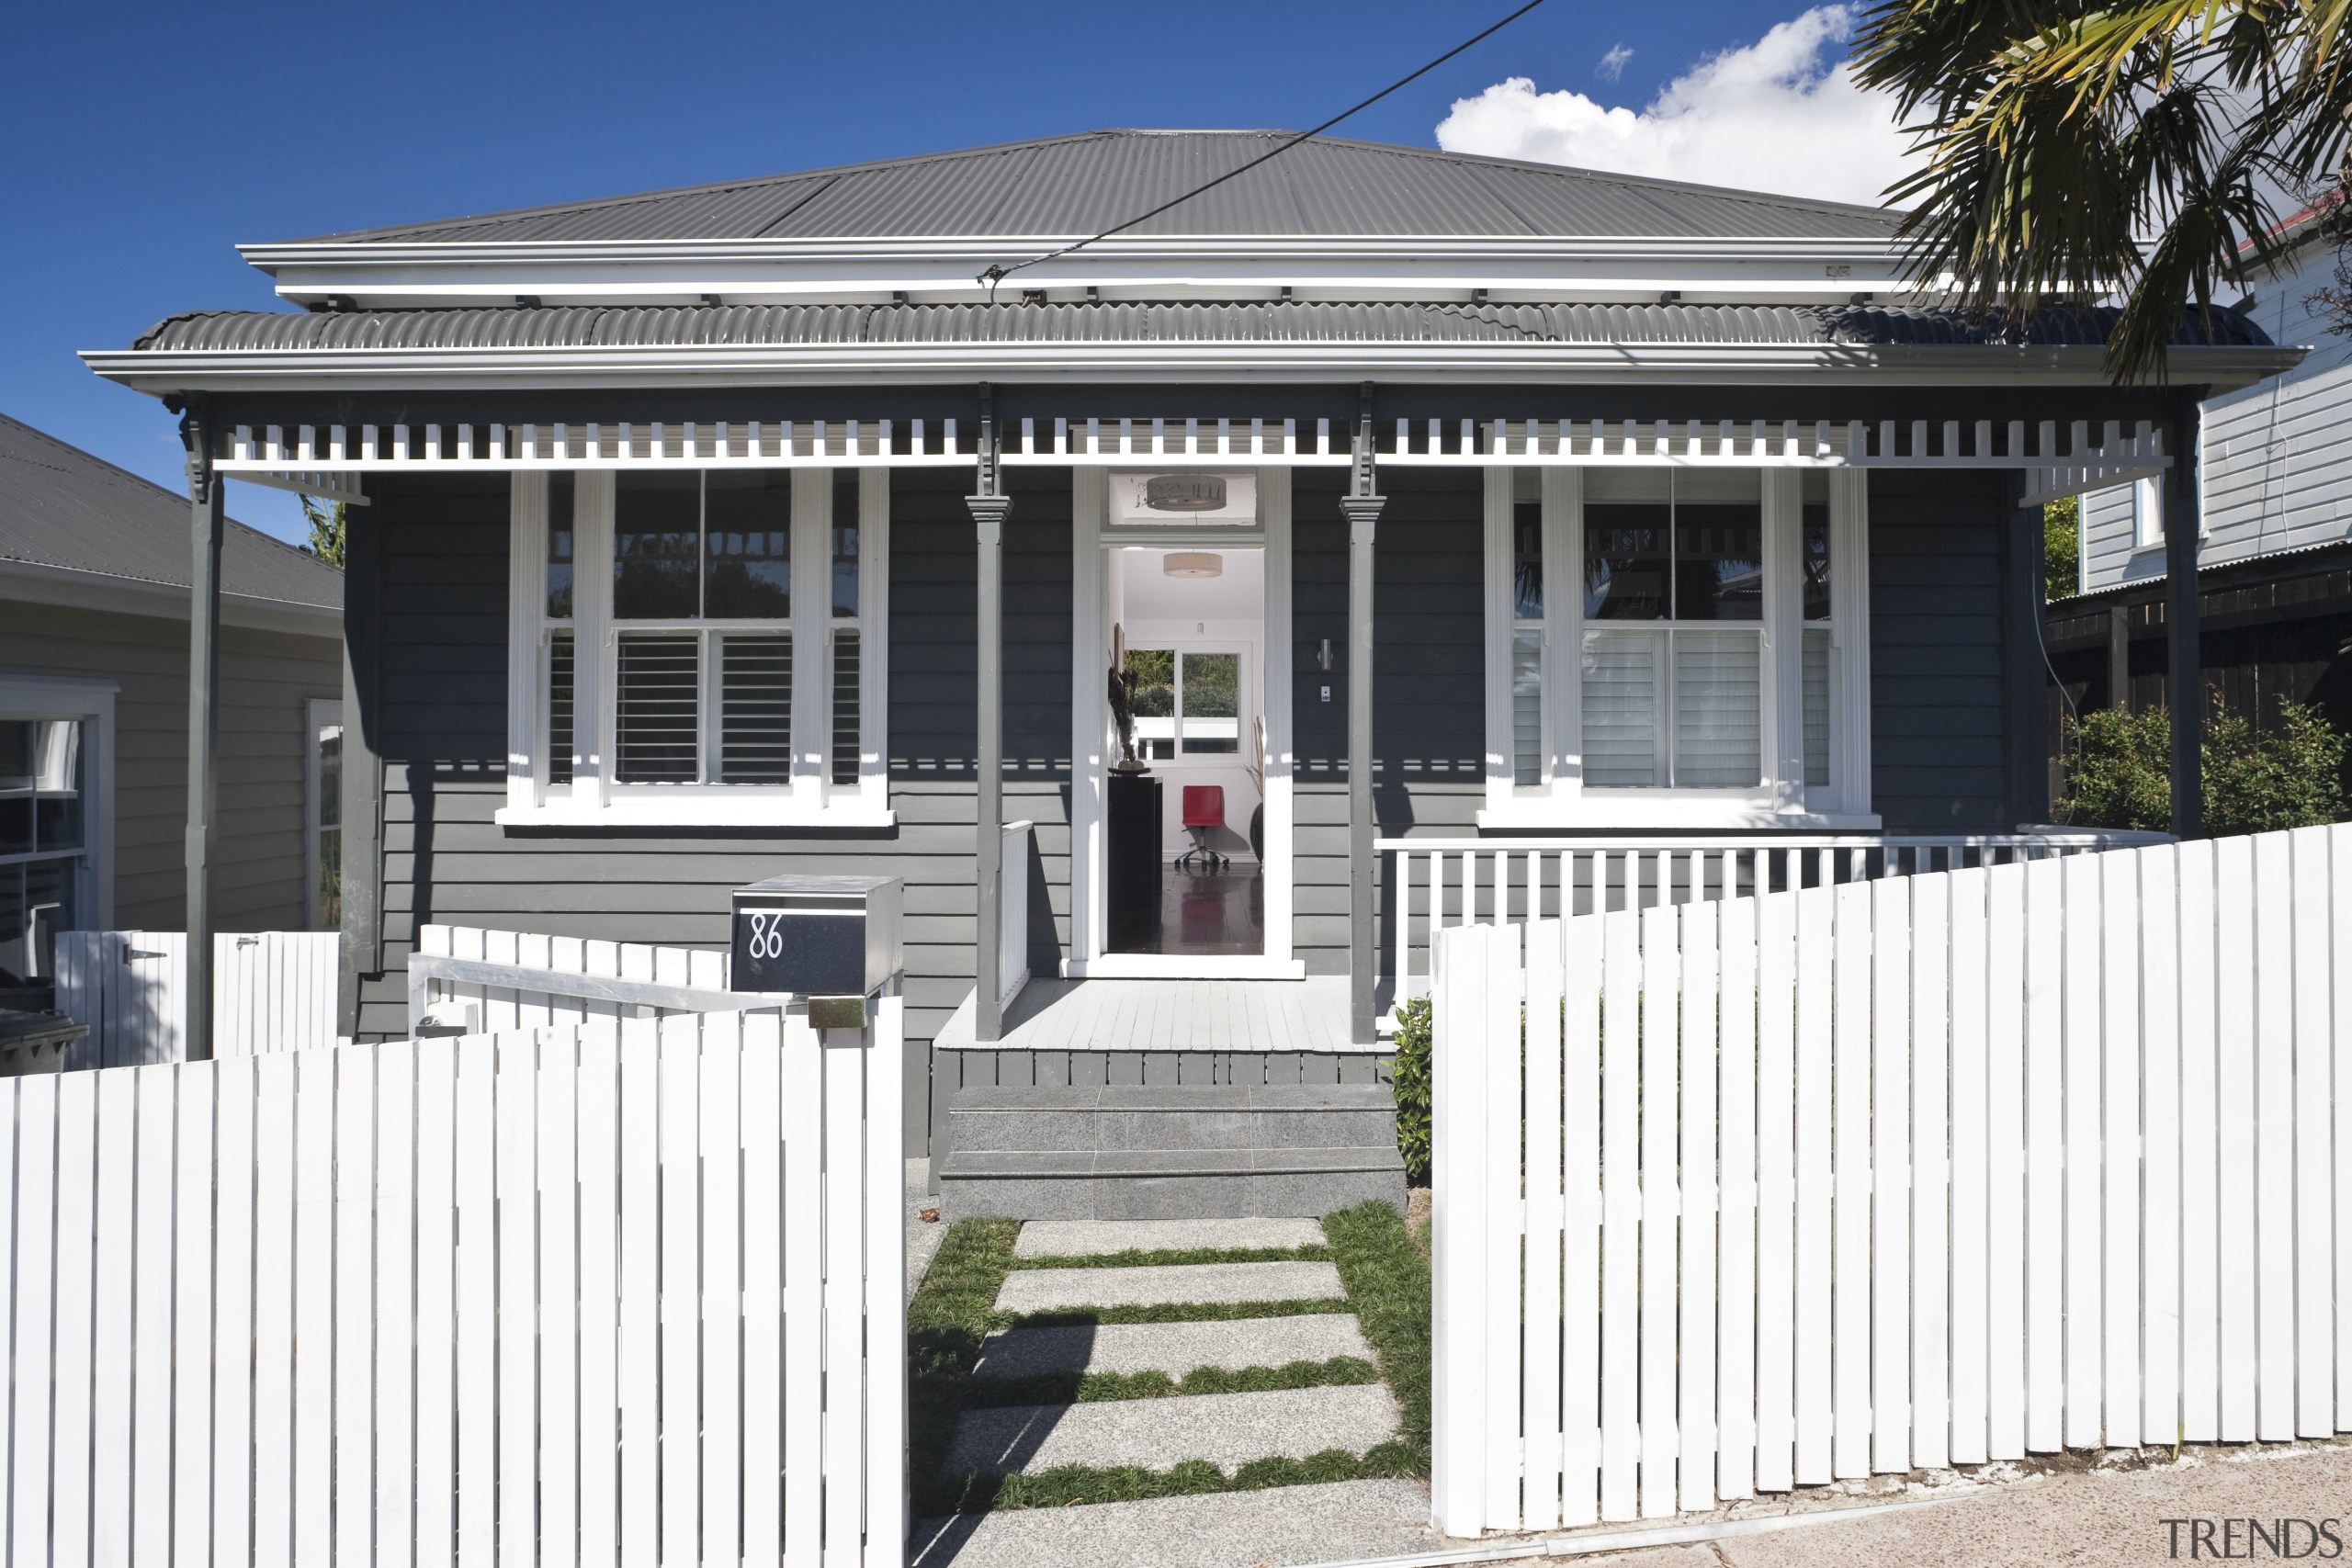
(1192,563)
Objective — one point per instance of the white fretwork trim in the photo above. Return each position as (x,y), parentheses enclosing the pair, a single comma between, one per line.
(2064,459)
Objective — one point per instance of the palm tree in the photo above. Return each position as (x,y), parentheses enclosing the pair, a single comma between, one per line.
(2077,149)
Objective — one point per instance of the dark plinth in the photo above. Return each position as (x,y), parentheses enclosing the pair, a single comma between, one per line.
(1131,893)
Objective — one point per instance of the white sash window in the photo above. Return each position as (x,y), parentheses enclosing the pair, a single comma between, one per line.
(1676,647)
(692,649)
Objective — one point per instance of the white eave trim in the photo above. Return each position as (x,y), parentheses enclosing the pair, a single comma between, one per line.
(80,590)
(768,365)
(407,274)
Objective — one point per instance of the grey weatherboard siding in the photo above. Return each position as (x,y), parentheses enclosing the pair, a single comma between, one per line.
(434,693)
(265,678)
(434,696)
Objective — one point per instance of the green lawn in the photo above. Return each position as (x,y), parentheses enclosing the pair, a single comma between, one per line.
(1387,1288)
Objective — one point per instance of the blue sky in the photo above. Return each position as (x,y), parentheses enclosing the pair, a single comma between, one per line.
(145,140)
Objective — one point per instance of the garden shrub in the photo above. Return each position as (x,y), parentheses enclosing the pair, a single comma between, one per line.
(2119,771)
(1412,1087)
(2118,768)
(2292,777)
(2062,544)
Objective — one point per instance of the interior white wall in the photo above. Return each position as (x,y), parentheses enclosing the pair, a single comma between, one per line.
(1210,613)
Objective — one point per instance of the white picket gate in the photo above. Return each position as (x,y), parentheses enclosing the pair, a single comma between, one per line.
(592,1294)
(271,991)
(493,980)
(1901,1174)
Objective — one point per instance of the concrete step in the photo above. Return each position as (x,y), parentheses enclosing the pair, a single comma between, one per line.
(1227,1429)
(1085,1238)
(1337,1521)
(1168,1184)
(1174,1348)
(1052,1290)
(1205,1117)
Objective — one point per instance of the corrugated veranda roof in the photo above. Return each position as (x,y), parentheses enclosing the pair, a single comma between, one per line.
(1107,321)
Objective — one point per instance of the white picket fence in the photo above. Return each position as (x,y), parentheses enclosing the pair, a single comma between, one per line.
(592,1294)
(1435,883)
(271,991)
(1901,1174)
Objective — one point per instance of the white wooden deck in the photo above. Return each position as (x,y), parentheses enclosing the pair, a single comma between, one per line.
(1168,1015)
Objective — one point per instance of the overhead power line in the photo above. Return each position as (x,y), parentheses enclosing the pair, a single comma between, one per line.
(998,272)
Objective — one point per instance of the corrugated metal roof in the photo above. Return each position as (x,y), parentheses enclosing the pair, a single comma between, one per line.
(1082,184)
(61,507)
(1110,321)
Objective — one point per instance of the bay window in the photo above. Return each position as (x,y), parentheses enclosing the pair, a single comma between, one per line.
(670,666)
(1676,647)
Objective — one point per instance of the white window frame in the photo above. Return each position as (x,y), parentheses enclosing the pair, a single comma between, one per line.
(594,798)
(1781,800)
(91,703)
(317,713)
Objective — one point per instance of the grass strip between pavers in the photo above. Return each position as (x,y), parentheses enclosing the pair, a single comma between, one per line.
(1091,1388)
(1167,1311)
(1177,1258)
(1388,1290)
(1075,1484)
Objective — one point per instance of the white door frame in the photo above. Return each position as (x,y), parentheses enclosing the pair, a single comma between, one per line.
(1092,738)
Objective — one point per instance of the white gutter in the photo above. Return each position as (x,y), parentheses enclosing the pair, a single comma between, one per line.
(770,365)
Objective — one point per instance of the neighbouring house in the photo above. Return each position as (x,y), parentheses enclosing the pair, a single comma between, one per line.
(1449,527)
(2274,546)
(95,564)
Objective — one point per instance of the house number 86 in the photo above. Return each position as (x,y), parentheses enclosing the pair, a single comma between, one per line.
(767,937)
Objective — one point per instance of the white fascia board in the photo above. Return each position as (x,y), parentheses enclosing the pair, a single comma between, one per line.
(948,270)
(765,364)
(79,589)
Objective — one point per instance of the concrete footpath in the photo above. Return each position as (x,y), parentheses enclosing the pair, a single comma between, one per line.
(2089,1517)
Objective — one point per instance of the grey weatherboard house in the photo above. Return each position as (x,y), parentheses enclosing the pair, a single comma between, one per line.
(1430,502)
(94,648)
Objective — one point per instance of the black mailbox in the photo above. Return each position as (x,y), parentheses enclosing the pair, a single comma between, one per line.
(816,936)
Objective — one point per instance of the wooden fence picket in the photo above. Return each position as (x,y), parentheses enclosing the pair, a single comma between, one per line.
(1875,1175)
(416,1302)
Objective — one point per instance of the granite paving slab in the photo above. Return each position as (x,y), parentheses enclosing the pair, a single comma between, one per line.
(1335,1521)
(1080,1239)
(1047,1289)
(1171,1348)
(1227,1429)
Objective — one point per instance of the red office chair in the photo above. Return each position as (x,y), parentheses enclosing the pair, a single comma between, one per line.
(1204,810)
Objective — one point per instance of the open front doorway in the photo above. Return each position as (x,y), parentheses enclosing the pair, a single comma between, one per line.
(1186,828)
(1180,854)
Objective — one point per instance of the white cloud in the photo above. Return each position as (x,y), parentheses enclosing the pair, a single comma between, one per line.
(1612,64)
(1781,114)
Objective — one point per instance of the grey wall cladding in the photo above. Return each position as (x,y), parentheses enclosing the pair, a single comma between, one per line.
(1937,750)
(434,689)
(266,678)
